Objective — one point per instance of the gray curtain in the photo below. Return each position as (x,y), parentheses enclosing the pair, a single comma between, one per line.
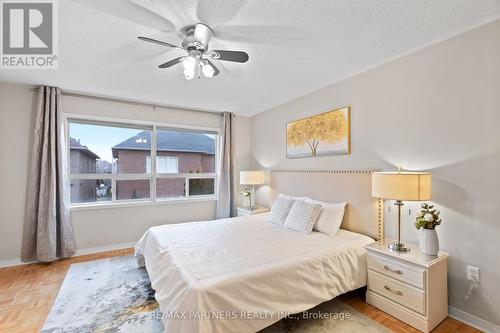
(48,233)
(225,167)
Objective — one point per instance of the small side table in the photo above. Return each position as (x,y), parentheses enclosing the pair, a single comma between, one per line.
(244,211)
(409,286)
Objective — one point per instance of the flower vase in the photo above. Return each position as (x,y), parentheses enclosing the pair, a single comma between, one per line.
(429,242)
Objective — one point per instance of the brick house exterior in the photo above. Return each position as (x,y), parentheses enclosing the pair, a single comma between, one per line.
(194,153)
(82,160)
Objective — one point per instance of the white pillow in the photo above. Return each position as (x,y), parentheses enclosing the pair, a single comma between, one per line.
(281,208)
(330,217)
(302,216)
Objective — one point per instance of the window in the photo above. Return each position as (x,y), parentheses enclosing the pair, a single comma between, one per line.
(200,186)
(112,162)
(164,164)
(194,164)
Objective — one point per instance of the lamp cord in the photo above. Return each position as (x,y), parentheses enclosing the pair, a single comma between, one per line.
(474,284)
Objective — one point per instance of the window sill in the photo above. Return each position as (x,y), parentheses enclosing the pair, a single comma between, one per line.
(96,206)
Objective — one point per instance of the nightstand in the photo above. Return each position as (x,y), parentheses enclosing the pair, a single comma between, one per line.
(244,211)
(409,286)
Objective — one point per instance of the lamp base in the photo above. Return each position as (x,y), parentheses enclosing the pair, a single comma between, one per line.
(399,247)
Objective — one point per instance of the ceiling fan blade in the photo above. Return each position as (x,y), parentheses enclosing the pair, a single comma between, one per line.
(151,40)
(226,55)
(130,11)
(171,62)
(216,70)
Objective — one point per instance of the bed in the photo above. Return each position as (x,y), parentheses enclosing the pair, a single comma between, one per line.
(243,274)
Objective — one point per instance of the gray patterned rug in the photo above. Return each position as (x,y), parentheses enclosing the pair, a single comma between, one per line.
(115,295)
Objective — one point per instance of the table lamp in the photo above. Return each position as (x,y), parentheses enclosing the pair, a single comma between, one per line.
(252,178)
(399,186)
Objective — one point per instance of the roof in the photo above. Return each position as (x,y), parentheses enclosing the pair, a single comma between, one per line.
(75,144)
(179,141)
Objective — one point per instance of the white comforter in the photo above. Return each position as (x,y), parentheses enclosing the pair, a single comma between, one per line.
(243,274)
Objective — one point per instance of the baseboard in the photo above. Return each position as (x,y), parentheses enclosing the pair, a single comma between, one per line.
(104,248)
(12,262)
(79,252)
(472,320)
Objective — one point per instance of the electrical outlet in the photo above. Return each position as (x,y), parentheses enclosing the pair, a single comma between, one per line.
(472,273)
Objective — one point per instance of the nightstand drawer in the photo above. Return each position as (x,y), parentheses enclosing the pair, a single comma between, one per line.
(396,291)
(397,270)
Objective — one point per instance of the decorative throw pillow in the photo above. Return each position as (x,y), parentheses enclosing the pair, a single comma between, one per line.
(281,208)
(302,216)
(330,217)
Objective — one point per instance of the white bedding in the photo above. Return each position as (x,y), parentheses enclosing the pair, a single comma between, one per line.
(243,274)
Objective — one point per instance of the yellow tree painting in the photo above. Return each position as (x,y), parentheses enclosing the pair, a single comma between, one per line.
(321,135)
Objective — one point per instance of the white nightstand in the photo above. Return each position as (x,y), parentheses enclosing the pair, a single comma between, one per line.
(409,286)
(244,211)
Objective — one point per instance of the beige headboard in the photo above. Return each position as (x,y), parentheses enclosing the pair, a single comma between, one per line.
(364,214)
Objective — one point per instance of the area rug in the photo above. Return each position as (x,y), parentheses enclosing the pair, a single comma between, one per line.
(115,295)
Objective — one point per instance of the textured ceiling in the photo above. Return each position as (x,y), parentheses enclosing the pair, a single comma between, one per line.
(295,47)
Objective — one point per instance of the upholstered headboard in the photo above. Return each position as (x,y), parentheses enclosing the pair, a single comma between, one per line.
(364,214)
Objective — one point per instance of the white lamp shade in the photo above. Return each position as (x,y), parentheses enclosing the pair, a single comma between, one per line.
(412,186)
(252,177)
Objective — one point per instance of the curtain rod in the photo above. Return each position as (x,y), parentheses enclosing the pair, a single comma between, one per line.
(128,101)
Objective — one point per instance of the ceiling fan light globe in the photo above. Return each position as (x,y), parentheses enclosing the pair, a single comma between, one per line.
(189,74)
(189,63)
(207,70)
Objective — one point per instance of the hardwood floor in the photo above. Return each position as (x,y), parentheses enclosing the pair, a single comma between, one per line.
(28,291)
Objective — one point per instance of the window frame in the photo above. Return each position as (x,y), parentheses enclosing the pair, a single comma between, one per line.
(153,176)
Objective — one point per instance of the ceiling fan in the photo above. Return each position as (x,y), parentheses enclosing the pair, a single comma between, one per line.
(197,60)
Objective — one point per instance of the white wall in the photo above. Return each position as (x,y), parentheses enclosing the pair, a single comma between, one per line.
(98,227)
(16,124)
(241,145)
(436,110)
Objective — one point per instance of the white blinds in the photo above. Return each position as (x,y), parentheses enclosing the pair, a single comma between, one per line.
(164,164)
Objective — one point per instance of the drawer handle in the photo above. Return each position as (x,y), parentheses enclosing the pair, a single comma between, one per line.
(397,271)
(398,292)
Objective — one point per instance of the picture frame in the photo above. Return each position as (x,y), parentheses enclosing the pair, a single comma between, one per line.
(324,134)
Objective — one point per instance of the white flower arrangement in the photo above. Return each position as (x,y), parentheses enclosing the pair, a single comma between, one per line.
(245,192)
(428,217)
